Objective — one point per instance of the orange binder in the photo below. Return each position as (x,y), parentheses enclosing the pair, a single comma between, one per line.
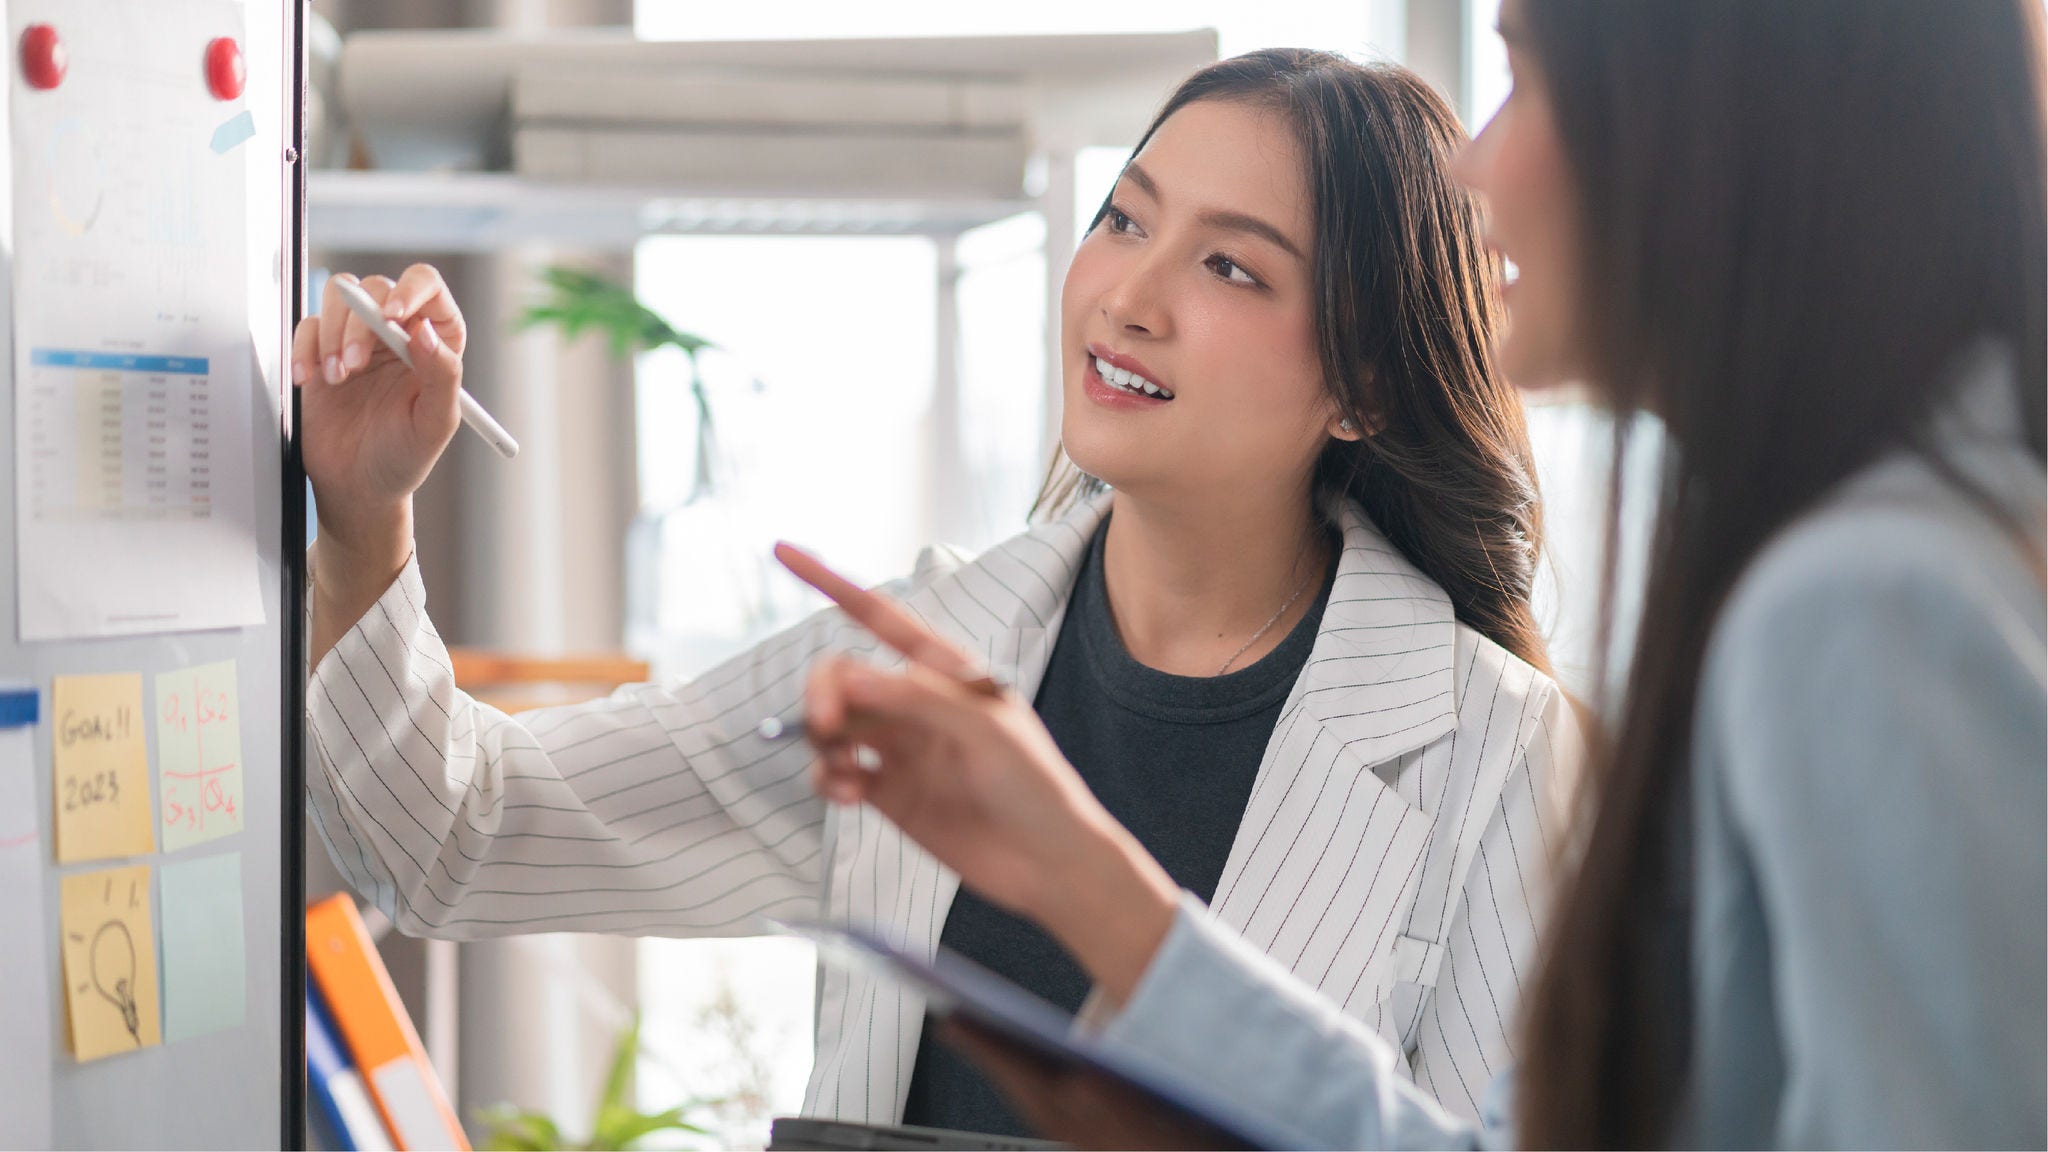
(379,1034)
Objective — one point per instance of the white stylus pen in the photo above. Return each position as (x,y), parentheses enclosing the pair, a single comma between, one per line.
(394,338)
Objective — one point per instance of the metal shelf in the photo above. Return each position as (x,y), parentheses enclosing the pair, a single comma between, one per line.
(358,211)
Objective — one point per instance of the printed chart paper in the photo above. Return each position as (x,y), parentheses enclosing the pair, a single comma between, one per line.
(134,389)
(109,962)
(199,754)
(101,783)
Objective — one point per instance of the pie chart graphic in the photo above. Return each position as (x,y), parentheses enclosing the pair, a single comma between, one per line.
(77,176)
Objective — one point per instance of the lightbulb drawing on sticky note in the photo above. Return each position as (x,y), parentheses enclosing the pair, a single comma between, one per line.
(113,972)
(110,962)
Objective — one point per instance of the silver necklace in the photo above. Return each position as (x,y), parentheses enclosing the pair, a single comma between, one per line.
(1263,628)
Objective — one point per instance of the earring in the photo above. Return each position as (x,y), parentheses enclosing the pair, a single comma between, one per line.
(1346,425)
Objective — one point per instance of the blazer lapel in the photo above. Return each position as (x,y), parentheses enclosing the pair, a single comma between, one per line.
(1005,607)
(1324,866)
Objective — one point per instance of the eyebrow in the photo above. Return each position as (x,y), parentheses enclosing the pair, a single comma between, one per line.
(1219,218)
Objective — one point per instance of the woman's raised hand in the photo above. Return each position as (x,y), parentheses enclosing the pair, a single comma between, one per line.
(976,779)
(373,428)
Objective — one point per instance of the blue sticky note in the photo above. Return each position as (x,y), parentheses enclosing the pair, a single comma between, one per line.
(233,132)
(17,708)
(205,979)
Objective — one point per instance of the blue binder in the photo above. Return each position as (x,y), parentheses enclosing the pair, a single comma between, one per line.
(342,1117)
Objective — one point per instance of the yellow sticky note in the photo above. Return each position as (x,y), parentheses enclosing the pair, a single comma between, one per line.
(102,768)
(109,962)
(199,753)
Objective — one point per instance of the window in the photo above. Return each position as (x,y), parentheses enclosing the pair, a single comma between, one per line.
(818,392)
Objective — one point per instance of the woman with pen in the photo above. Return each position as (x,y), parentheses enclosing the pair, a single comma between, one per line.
(1288,649)
(1805,906)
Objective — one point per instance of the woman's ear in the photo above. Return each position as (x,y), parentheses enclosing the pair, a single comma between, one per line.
(1353,417)
(1354,427)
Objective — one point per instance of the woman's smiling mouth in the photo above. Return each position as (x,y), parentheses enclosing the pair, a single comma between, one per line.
(1117,377)
(1124,375)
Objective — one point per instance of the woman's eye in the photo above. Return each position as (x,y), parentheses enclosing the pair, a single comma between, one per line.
(1227,268)
(1119,222)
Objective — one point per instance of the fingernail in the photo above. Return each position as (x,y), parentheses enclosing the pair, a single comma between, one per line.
(392,307)
(300,372)
(355,356)
(334,370)
(429,337)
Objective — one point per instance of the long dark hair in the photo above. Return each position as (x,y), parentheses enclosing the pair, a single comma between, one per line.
(1795,216)
(1407,303)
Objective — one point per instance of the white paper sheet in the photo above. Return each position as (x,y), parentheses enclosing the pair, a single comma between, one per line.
(24,950)
(132,357)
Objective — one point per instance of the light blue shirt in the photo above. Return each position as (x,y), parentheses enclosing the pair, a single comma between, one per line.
(1870,854)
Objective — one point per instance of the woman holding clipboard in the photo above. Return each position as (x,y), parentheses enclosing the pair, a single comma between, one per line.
(1806,908)
(1291,656)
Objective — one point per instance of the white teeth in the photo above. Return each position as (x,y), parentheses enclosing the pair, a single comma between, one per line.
(1128,381)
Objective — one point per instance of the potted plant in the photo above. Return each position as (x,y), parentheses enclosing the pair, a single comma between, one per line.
(578,301)
(616,1124)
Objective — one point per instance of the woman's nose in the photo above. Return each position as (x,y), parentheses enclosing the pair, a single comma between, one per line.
(1137,303)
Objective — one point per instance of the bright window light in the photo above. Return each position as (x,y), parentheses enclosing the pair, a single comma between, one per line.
(1240,27)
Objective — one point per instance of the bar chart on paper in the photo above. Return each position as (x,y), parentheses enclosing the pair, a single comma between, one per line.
(136,368)
(115,436)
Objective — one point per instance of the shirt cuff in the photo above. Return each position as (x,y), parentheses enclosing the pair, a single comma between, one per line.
(1170,1012)
(1228,1020)
(404,599)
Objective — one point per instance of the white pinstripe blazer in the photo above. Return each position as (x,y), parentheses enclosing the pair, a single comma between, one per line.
(1392,852)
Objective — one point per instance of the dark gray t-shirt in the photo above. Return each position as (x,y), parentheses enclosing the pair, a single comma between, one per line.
(1171,757)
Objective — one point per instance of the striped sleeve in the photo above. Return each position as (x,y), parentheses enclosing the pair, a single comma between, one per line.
(656,810)
(1462,1037)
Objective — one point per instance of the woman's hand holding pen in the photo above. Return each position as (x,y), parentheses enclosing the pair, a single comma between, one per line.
(976,779)
(371,431)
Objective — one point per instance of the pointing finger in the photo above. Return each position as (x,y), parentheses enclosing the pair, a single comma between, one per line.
(891,623)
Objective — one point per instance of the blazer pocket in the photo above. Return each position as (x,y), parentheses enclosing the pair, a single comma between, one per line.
(1416,962)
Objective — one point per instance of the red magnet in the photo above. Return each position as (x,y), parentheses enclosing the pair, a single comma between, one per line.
(225,70)
(43,58)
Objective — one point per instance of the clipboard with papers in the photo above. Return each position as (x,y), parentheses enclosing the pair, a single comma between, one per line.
(954,985)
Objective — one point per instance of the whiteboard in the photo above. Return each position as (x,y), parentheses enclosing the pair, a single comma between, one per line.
(242,1086)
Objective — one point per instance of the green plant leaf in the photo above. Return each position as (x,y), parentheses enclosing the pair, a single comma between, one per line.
(619,1080)
(617,1125)
(627,1129)
(510,1129)
(580,300)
